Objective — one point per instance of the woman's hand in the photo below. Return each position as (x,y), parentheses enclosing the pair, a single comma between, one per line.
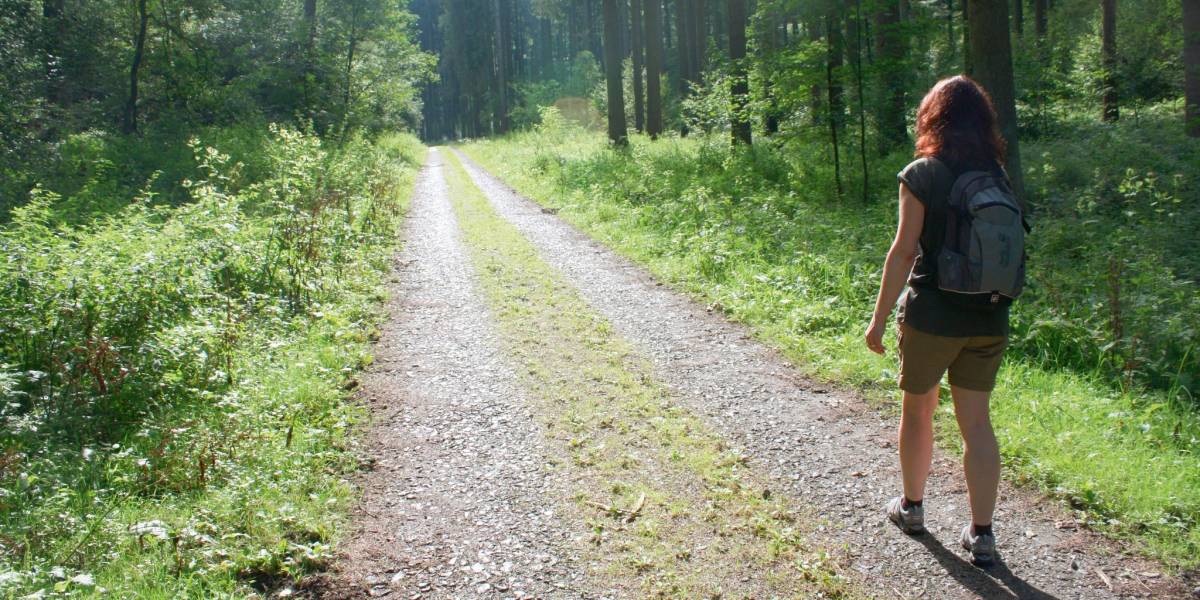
(874,335)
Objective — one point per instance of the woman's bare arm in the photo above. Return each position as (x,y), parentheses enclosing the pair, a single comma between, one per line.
(899,263)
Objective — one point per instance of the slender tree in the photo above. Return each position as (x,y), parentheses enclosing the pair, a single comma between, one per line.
(769,36)
(951,41)
(654,61)
(1040,18)
(310,42)
(1019,17)
(739,88)
(635,24)
(1108,51)
(501,59)
(617,133)
(130,122)
(992,59)
(351,48)
(1191,65)
(968,65)
(833,64)
(653,67)
(54,33)
(696,28)
(890,50)
(862,112)
(683,42)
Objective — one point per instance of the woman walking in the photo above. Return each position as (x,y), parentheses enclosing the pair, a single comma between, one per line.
(941,330)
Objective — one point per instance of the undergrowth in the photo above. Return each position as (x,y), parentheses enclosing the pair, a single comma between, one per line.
(1095,401)
(175,423)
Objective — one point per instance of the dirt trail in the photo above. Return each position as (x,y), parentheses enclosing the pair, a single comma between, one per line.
(828,448)
(455,506)
(460,503)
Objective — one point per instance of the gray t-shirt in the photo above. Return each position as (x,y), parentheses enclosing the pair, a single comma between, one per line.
(925,307)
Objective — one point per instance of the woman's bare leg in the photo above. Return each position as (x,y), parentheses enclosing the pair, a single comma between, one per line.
(916,440)
(981,459)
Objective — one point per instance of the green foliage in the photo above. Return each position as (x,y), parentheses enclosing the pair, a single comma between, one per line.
(1098,412)
(174,422)
(209,68)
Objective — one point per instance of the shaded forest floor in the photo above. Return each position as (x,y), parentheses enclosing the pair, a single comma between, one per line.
(552,422)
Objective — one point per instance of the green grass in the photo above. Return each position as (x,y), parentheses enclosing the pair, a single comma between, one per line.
(704,526)
(177,420)
(760,236)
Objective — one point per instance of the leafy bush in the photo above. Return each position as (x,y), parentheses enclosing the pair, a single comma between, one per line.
(172,373)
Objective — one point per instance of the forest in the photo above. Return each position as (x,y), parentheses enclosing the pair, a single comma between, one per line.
(202,203)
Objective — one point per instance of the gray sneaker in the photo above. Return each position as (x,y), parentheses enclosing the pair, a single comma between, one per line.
(982,547)
(911,520)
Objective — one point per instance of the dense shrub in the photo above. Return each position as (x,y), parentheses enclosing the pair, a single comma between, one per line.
(150,351)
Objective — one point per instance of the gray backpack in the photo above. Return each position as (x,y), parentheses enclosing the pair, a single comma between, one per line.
(982,262)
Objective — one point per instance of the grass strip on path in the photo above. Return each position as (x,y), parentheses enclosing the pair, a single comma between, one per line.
(670,509)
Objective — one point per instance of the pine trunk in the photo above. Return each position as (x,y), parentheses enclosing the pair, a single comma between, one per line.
(612,66)
(1108,52)
(635,25)
(992,58)
(696,25)
(654,61)
(833,63)
(1191,65)
(503,61)
(54,34)
(1040,18)
(890,53)
(139,48)
(683,45)
(740,88)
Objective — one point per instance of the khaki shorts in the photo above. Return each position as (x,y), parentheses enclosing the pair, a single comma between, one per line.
(972,361)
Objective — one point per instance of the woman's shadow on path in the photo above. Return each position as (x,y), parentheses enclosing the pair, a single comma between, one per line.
(995,581)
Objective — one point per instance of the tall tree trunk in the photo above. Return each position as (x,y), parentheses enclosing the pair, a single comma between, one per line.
(635,25)
(833,62)
(1040,18)
(544,47)
(699,40)
(770,43)
(1191,65)
(139,48)
(501,60)
(54,39)
(594,33)
(654,62)
(310,42)
(683,48)
(890,50)
(351,47)
(859,24)
(968,64)
(951,40)
(813,29)
(992,56)
(740,87)
(516,42)
(1019,17)
(574,31)
(1108,52)
(612,66)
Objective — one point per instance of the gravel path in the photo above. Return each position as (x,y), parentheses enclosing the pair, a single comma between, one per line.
(456,503)
(828,448)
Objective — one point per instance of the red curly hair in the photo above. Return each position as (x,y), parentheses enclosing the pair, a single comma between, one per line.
(957,123)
